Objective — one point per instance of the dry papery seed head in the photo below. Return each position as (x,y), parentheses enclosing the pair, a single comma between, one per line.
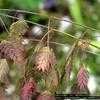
(18,28)
(52,80)
(46,96)
(45,59)
(28,90)
(13,51)
(83,44)
(4,69)
(82,78)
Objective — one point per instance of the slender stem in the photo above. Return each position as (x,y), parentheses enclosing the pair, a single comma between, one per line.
(65,33)
(61,44)
(21,11)
(4,25)
(67,58)
(48,39)
(56,18)
(52,42)
(47,28)
(45,36)
(25,20)
(69,55)
(94,46)
(87,27)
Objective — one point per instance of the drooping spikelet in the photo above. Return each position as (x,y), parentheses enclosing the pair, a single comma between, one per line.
(18,28)
(4,69)
(52,80)
(45,59)
(13,51)
(80,86)
(82,78)
(28,90)
(46,96)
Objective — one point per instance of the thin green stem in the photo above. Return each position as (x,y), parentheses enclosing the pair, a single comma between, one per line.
(4,25)
(61,44)
(5,15)
(54,17)
(44,26)
(94,46)
(87,27)
(21,11)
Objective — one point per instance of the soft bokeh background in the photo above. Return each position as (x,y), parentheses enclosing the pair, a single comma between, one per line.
(84,12)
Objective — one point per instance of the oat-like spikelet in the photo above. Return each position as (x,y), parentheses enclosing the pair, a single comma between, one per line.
(13,51)
(18,28)
(82,78)
(28,90)
(45,59)
(46,95)
(80,86)
(4,69)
